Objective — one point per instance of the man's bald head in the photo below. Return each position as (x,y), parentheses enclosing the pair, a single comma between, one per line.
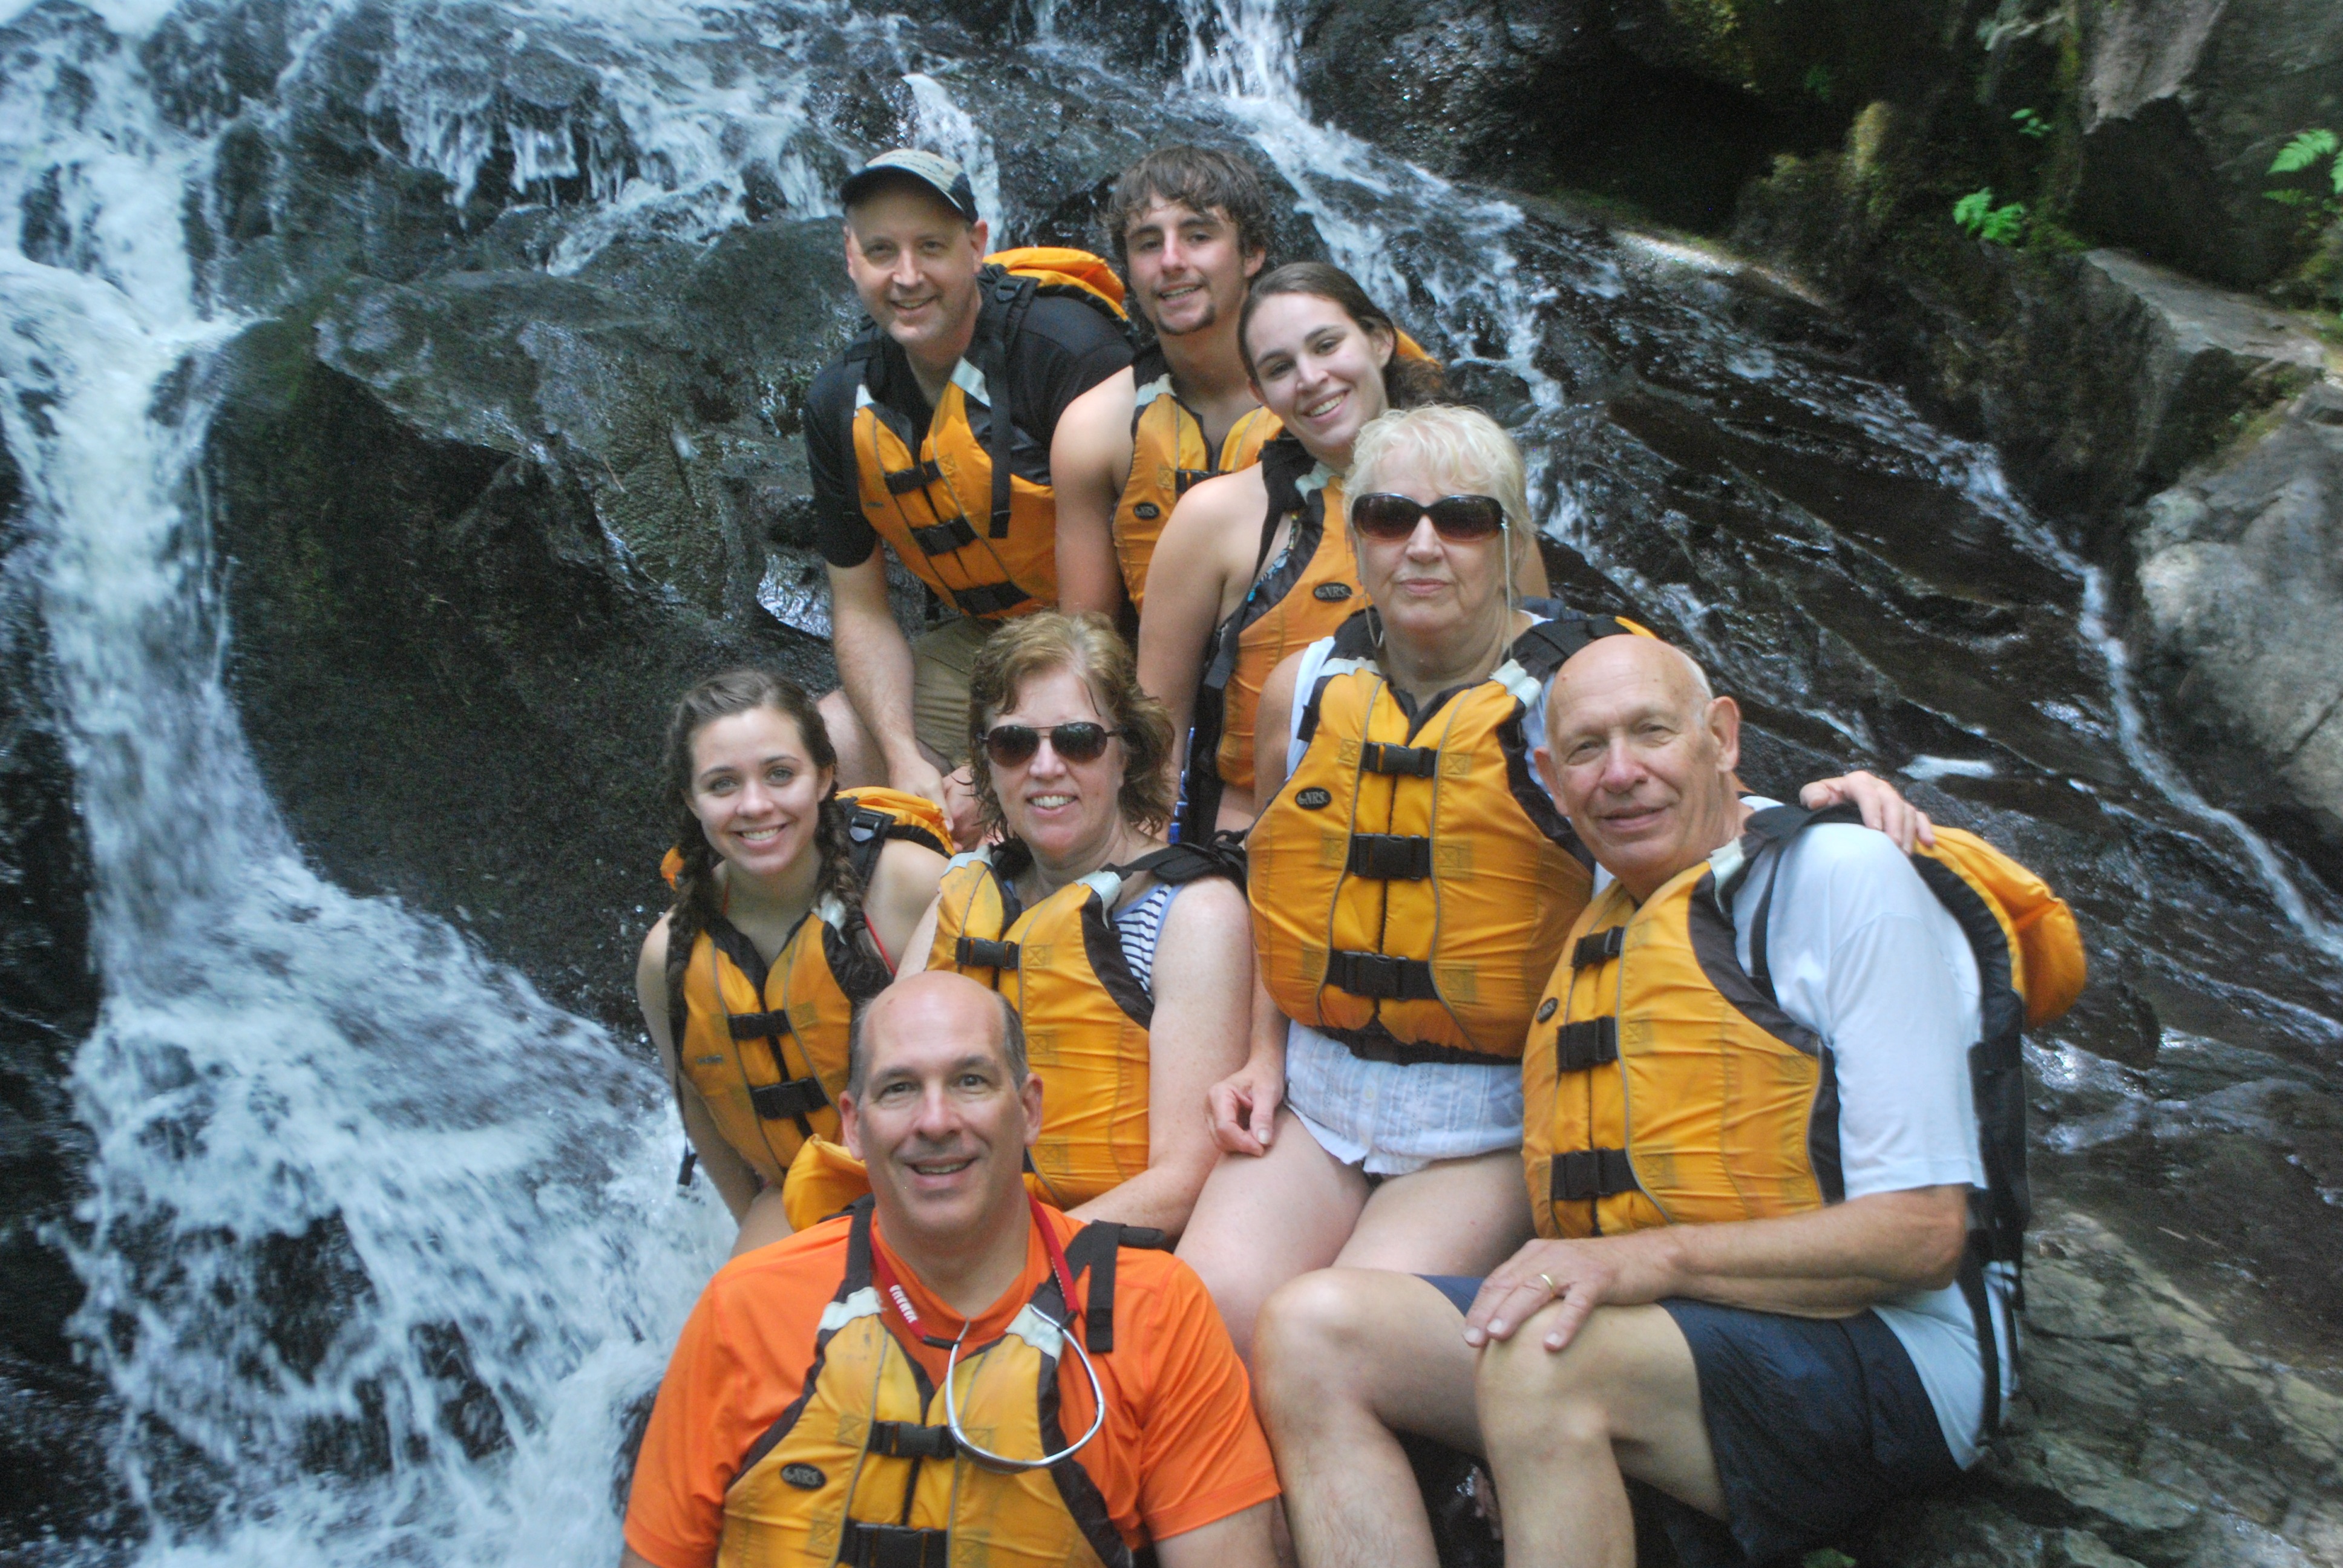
(930,1004)
(1640,753)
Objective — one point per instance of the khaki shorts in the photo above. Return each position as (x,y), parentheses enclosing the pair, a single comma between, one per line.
(942,662)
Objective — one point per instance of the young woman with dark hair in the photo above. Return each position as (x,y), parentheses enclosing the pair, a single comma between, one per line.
(793,905)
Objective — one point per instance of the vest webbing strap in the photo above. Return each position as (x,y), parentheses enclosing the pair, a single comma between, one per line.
(990,599)
(869,1545)
(977,953)
(758,1025)
(1391,857)
(1584,1173)
(1598,948)
(903,481)
(793,1100)
(942,538)
(1407,761)
(1380,976)
(908,1439)
(1590,1042)
(1974,1290)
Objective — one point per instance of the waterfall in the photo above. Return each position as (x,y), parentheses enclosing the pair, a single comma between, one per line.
(379,1245)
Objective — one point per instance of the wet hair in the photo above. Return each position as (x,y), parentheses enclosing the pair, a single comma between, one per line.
(1199,179)
(697,899)
(857,1046)
(1406,382)
(1460,448)
(1088,644)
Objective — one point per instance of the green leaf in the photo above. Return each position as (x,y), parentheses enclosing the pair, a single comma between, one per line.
(2337,172)
(2303,151)
(1970,211)
(2003,224)
(1828,1557)
(2291,198)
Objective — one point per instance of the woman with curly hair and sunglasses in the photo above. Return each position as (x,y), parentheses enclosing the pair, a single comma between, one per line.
(1129,962)
(794,903)
(1411,883)
(1256,564)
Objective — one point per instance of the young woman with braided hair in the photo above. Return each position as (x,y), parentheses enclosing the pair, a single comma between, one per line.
(793,905)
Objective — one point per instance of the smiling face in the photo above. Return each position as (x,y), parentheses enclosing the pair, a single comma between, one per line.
(1068,813)
(757,793)
(914,262)
(1642,758)
(1317,369)
(1425,587)
(1188,269)
(941,1119)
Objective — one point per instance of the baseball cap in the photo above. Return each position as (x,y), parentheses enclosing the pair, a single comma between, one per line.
(937,172)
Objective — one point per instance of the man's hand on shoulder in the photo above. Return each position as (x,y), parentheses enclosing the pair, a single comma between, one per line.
(1883,807)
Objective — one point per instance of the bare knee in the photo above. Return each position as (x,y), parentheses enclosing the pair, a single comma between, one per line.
(1313,1345)
(1530,1397)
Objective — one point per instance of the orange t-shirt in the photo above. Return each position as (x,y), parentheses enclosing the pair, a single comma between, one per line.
(1180,1449)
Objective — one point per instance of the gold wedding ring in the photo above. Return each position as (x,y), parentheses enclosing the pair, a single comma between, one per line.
(1551,1288)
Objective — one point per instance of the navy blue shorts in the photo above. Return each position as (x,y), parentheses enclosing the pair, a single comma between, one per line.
(1815,1425)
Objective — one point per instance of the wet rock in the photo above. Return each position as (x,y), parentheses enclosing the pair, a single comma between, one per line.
(2143,1433)
(2182,106)
(2241,599)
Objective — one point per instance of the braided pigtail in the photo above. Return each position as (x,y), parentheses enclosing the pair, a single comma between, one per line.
(837,846)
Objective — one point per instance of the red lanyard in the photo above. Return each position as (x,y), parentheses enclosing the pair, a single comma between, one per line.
(884,1277)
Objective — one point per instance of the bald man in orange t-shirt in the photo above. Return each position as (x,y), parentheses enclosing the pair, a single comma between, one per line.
(807,1399)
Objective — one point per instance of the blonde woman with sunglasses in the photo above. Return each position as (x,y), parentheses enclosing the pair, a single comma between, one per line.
(1411,883)
(1128,961)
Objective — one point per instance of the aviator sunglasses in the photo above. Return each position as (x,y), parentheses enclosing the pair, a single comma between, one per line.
(1013,744)
(1460,518)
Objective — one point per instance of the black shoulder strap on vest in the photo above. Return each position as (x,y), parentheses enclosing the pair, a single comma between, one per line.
(870,830)
(1095,1247)
(1284,463)
(1188,861)
(1772,830)
(1547,646)
(1009,297)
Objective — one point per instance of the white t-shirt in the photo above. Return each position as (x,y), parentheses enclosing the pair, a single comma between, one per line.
(1862,954)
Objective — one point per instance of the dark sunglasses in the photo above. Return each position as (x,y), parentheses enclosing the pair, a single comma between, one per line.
(1462,518)
(1013,745)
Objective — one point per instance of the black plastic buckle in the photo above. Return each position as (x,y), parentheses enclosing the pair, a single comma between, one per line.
(989,599)
(1391,857)
(894,1546)
(976,953)
(1585,1173)
(907,1440)
(1588,1043)
(1182,478)
(786,1101)
(903,481)
(1380,976)
(942,538)
(759,1025)
(1408,762)
(1598,948)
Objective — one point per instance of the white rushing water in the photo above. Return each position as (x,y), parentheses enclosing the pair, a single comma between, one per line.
(379,1245)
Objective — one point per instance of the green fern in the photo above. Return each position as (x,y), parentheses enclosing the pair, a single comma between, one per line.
(2304,151)
(2302,156)
(1980,219)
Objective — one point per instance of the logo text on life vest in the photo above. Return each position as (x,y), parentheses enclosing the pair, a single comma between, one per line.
(804,1476)
(1331,592)
(1148,510)
(1314,800)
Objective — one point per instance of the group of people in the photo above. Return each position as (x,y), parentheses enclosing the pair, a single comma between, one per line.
(1153,1075)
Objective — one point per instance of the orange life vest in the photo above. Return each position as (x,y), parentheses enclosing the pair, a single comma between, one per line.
(1168,455)
(1084,1013)
(1410,882)
(765,1046)
(861,1471)
(982,537)
(1664,1084)
(1312,589)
